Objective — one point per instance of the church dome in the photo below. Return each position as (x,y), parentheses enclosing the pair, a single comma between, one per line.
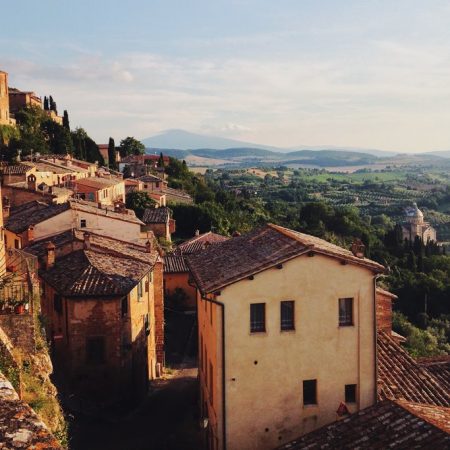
(414,212)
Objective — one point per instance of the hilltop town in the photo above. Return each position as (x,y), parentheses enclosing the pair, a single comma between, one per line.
(147,305)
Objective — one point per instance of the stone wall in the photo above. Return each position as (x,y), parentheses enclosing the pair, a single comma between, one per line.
(20,427)
(20,330)
(159,312)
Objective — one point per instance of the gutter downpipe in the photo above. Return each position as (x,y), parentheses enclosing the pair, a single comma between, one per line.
(224,420)
(375,278)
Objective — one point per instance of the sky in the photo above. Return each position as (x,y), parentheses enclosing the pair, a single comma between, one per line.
(366,74)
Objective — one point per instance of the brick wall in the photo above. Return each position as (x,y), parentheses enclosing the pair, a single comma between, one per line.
(20,331)
(384,310)
(159,312)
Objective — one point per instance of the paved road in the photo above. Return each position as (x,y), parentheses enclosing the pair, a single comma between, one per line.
(167,420)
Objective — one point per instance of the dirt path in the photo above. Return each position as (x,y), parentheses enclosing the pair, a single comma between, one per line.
(167,420)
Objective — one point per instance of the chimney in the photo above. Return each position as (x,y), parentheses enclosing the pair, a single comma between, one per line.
(197,232)
(148,246)
(358,248)
(87,240)
(30,233)
(49,255)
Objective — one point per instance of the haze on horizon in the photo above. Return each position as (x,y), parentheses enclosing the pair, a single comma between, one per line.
(285,74)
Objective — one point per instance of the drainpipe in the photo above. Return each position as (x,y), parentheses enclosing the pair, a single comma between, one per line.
(224,421)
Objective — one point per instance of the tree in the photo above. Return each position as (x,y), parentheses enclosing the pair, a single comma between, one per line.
(139,202)
(66,123)
(131,146)
(46,103)
(112,154)
(53,105)
(85,148)
(161,160)
(58,137)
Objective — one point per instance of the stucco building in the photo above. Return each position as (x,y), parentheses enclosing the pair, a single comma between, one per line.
(160,222)
(103,306)
(5,118)
(415,226)
(22,99)
(106,191)
(286,334)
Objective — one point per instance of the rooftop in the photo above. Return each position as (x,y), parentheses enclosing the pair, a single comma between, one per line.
(151,179)
(175,264)
(107,267)
(156,215)
(199,242)
(16,169)
(401,377)
(98,182)
(89,207)
(388,424)
(232,260)
(23,216)
(439,366)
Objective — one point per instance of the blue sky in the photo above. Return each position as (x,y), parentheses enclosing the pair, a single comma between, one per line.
(370,74)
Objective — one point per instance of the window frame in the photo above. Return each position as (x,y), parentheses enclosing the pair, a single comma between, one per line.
(287,326)
(83,223)
(255,323)
(346,319)
(350,393)
(90,354)
(314,401)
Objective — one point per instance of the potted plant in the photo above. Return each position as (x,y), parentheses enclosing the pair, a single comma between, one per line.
(19,306)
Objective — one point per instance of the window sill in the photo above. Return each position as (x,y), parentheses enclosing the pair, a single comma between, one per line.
(258,333)
(290,330)
(346,325)
(315,405)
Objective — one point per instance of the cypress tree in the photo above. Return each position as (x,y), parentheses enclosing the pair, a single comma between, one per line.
(53,105)
(112,154)
(161,160)
(66,123)
(45,103)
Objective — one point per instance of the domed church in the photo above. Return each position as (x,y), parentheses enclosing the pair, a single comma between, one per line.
(414,225)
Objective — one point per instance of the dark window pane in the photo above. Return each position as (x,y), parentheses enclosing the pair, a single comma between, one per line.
(309,392)
(95,350)
(350,393)
(57,303)
(257,317)
(287,315)
(345,311)
(83,223)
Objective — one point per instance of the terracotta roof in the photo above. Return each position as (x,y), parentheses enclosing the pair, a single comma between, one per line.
(87,272)
(20,427)
(388,424)
(156,215)
(16,169)
(151,179)
(229,261)
(175,264)
(98,242)
(31,213)
(401,377)
(439,366)
(97,182)
(199,243)
(176,193)
(386,293)
(90,207)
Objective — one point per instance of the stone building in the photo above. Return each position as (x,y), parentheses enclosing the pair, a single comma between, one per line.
(286,334)
(415,226)
(5,118)
(160,222)
(22,99)
(103,304)
(106,191)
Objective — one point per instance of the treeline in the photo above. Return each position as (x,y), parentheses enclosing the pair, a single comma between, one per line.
(36,132)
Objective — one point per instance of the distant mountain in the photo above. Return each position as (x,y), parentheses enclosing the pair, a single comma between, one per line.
(441,153)
(184,140)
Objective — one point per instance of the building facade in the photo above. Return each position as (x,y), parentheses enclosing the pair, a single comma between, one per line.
(4,99)
(286,335)
(415,226)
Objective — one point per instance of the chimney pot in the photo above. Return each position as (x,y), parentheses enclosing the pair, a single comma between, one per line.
(197,232)
(148,246)
(358,248)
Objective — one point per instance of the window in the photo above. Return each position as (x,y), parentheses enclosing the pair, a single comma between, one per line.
(287,315)
(147,324)
(95,350)
(345,312)
(16,243)
(57,304)
(309,392)
(140,291)
(83,223)
(257,317)
(350,393)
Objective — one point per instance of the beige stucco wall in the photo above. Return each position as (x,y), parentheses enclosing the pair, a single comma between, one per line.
(104,225)
(264,400)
